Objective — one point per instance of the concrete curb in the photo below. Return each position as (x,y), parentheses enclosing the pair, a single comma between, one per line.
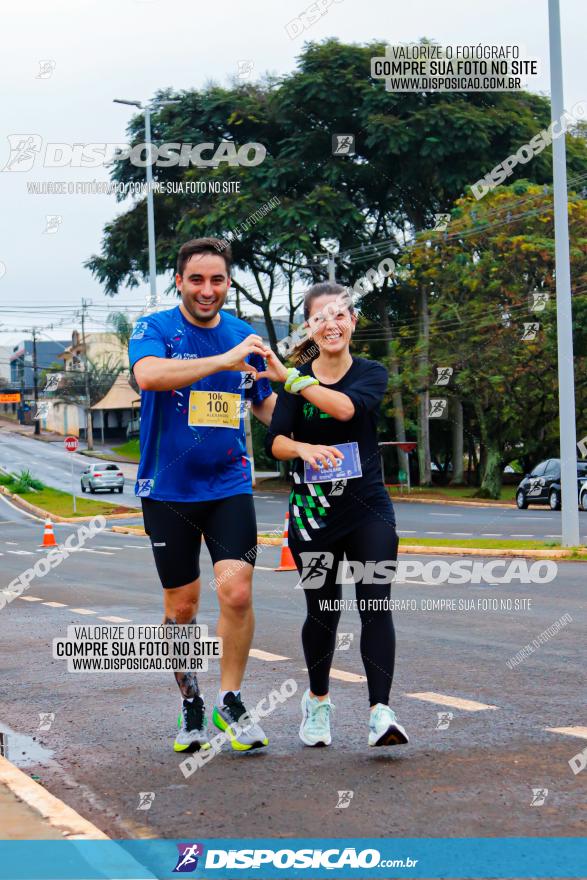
(56,812)
(420,549)
(45,514)
(509,505)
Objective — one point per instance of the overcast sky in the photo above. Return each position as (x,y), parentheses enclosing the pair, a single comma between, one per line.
(102,49)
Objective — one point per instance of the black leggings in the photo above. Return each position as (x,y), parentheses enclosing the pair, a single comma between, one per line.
(372,542)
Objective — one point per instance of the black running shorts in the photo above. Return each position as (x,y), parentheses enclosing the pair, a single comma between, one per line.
(229,528)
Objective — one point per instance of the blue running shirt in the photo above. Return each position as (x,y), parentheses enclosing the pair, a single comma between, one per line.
(194,462)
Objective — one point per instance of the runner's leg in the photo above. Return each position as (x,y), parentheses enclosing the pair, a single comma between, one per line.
(375,542)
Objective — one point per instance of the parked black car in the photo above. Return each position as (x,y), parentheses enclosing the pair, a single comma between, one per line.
(543,485)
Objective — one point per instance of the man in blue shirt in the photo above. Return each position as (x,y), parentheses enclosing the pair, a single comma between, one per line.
(199,368)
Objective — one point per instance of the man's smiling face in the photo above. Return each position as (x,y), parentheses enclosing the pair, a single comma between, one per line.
(203,287)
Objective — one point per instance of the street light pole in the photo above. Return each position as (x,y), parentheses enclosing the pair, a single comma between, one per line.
(564,314)
(152,302)
(150,215)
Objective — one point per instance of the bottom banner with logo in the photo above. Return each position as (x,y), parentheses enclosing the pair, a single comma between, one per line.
(289,858)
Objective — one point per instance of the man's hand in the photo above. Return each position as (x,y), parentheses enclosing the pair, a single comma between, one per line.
(317,455)
(234,358)
(274,369)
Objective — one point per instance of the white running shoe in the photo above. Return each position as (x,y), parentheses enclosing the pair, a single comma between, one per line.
(384,729)
(315,726)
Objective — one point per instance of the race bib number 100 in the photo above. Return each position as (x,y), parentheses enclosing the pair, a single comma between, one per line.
(214,409)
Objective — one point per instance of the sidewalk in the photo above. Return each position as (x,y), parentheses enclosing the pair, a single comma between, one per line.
(18,821)
(29,812)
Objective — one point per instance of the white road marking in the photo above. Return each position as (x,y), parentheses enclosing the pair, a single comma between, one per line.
(553,536)
(115,619)
(435,533)
(264,567)
(446,514)
(30,599)
(89,550)
(109,546)
(461,534)
(265,655)
(342,675)
(55,604)
(137,546)
(456,702)
(569,731)
(491,535)
(20,552)
(522,536)
(81,611)
(405,532)
(12,543)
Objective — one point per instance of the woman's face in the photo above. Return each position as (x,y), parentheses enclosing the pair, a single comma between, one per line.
(331,323)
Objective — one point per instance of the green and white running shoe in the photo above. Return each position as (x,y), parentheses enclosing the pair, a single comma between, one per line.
(233,719)
(315,726)
(192,735)
(384,728)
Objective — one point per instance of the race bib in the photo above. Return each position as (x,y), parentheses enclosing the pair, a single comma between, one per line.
(348,469)
(214,409)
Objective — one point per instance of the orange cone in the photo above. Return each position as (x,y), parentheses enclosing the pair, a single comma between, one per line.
(286,563)
(49,535)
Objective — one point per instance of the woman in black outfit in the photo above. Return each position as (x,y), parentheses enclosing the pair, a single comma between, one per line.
(328,401)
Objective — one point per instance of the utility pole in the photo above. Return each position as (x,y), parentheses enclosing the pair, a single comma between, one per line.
(564,310)
(37,428)
(89,429)
(331,268)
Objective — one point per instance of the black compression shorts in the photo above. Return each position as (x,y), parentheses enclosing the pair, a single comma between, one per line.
(229,527)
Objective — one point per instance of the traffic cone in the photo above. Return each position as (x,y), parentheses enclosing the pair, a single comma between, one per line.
(286,562)
(49,535)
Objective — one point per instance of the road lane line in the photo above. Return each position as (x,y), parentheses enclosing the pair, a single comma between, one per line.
(55,604)
(21,552)
(29,599)
(81,611)
(461,534)
(115,619)
(569,731)
(265,655)
(521,536)
(446,514)
(89,550)
(343,675)
(492,535)
(446,700)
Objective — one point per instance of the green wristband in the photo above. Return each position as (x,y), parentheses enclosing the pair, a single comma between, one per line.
(302,382)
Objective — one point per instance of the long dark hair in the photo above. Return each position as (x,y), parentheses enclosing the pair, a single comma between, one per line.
(307,350)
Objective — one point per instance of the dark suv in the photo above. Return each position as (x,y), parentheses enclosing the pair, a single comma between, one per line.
(543,485)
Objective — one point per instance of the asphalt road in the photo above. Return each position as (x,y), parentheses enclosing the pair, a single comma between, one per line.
(473,774)
(50,463)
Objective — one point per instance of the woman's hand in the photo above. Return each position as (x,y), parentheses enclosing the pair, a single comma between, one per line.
(317,455)
(275,369)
